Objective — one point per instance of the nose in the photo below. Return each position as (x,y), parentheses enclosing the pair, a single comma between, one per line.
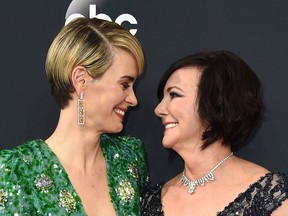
(160,109)
(131,98)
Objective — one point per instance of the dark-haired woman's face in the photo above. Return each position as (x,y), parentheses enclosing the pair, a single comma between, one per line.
(178,110)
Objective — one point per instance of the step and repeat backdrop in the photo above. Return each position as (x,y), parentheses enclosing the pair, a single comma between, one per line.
(256,30)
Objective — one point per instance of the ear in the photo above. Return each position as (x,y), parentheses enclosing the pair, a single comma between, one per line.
(79,78)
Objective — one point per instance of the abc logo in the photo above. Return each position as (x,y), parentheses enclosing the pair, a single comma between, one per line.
(92,13)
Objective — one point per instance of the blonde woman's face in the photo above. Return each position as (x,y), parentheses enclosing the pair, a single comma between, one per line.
(107,99)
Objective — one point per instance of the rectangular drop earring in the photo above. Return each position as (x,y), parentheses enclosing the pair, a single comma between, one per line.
(81,110)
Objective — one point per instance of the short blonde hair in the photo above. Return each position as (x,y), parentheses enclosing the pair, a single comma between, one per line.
(89,43)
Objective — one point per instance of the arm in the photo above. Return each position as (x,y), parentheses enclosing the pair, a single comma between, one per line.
(281,210)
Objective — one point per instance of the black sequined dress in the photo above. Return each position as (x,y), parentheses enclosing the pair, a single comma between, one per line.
(261,198)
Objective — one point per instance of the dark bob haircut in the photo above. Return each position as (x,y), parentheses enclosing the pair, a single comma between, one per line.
(229,95)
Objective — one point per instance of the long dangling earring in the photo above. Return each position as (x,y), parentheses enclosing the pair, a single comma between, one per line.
(81,110)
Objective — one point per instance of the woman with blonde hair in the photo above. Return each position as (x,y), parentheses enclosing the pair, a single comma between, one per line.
(92,65)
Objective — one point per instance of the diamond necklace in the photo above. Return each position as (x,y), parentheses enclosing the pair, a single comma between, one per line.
(201,181)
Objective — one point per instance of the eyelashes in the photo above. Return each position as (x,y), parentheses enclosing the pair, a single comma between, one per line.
(125,86)
(173,94)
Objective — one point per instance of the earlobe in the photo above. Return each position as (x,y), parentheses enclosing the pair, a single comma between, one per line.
(79,78)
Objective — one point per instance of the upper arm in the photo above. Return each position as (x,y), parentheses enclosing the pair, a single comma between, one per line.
(281,210)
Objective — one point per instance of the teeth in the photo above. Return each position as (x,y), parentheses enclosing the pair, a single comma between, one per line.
(119,111)
(171,125)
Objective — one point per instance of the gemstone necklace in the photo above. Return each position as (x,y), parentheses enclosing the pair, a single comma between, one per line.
(201,181)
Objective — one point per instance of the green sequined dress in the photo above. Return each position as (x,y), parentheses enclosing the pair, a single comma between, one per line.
(33,181)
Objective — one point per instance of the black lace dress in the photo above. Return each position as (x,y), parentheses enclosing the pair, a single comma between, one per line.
(260,199)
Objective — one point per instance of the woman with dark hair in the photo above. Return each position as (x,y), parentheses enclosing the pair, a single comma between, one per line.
(210,102)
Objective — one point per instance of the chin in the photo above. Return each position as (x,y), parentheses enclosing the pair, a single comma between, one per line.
(116,130)
(166,144)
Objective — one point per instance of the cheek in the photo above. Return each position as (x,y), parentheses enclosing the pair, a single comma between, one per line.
(187,113)
(116,95)
(112,99)
(182,108)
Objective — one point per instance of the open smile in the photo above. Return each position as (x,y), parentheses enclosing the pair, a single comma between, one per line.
(170,125)
(120,112)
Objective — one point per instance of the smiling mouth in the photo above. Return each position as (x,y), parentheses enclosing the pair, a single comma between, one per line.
(119,112)
(170,125)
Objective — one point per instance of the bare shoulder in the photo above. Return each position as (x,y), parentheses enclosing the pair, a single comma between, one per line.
(249,169)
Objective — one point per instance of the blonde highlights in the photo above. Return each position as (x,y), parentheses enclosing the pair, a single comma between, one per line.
(89,43)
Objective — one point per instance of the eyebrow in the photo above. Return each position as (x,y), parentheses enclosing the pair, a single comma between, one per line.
(130,78)
(171,87)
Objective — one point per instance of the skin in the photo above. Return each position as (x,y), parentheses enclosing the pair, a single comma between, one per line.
(183,130)
(78,147)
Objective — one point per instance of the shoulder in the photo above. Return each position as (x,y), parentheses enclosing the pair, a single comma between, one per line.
(121,140)
(278,184)
(151,200)
(125,150)
(279,180)
(127,171)
(19,153)
(269,191)
(273,185)
(32,182)
(15,171)
(262,197)
(19,159)
(127,146)
(272,189)
(125,153)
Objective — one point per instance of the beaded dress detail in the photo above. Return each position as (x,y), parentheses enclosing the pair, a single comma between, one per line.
(261,198)
(33,181)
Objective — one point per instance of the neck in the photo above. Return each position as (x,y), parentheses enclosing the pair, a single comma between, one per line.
(74,146)
(200,162)
(211,157)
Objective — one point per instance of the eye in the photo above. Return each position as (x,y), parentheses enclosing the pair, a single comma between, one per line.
(173,94)
(125,85)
